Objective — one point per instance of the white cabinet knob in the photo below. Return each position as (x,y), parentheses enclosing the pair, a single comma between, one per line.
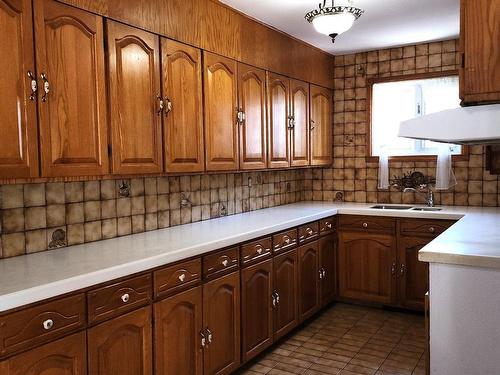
(225,262)
(125,298)
(365,225)
(48,324)
(259,250)
(432,229)
(182,277)
(287,240)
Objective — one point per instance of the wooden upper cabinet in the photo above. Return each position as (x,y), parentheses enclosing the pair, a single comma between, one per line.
(299,134)
(72,101)
(134,89)
(285,269)
(221,318)
(253,127)
(321,125)
(63,357)
(480,34)
(178,327)
(367,266)
(309,302)
(182,95)
(18,144)
(221,103)
(278,94)
(122,345)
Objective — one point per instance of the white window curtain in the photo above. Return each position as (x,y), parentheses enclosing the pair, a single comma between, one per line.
(445,177)
(383,169)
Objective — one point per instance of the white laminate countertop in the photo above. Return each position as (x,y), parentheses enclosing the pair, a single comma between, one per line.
(474,240)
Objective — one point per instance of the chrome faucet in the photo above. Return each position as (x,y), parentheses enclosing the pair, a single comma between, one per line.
(429,195)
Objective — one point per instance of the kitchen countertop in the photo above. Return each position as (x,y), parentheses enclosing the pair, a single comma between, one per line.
(474,240)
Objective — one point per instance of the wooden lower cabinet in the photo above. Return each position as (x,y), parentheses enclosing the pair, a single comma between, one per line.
(62,357)
(256,308)
(221,321)
(308,280)
(413,274)
(122,345)
(285,270)
(327,285)
(178,326)
(367,266)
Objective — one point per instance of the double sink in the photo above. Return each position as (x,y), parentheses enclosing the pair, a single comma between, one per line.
(404,208)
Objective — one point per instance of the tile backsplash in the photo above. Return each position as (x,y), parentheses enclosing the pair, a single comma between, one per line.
(37,217)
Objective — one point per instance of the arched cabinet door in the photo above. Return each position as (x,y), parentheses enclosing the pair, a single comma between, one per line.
(182,88)
(62,357)
(299,134)
(122,345)
(278,95)
(253,127)
(19,140)
(308,280)
(321,126)
(285,271)
(221,104)
(71,94)
(134,89)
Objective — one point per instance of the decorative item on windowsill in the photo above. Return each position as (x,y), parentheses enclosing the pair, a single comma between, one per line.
(415,182)
(333,20)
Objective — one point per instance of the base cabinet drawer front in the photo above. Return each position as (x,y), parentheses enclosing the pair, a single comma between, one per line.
(285,241)
(113,300)
(286,313)
(257,303)
(39,324)
(177,278)
(122,345)
(62,357)
(367,266)
(308,232)
(327,226)
(221,263)
(426,228)
(370,224)
(308,280)
(221,320)
(327,270)
(256,251)
(178,334)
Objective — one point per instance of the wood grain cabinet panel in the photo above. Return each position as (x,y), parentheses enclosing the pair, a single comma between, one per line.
(178,327)
(480,33)
(253,127)
(285,269)
(221,262)
(367,266)
(309,258)
(327,226)
(256,251)
(308,232)
(19,141)
(134,90)
(284,241)
(182,87)
(256,308)
(122,345)
(221,318)
(424,227)
(278,94)
(328,274)
(221,104)
(299,132)
(321,125)
(63,357)
(176,278)
(371,224)
(72,101)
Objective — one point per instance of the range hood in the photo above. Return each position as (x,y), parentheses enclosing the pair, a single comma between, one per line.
(477,125)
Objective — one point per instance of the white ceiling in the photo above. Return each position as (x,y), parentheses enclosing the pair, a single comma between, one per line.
(385,23)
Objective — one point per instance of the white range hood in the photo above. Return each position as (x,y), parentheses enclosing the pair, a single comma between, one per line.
(466,125)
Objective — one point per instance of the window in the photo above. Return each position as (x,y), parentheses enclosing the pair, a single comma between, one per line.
(396,101)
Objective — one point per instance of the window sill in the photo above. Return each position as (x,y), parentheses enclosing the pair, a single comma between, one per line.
(416,158)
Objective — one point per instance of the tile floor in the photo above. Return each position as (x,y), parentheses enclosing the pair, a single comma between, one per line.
(349,340)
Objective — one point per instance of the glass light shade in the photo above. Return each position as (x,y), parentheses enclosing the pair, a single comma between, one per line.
(336,23)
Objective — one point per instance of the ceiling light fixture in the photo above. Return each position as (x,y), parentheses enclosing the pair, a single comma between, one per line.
(333,20)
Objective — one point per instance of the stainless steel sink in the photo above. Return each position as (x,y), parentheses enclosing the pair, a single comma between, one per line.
(390,207)
(426,209)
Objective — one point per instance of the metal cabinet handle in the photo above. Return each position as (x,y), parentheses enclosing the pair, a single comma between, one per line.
(203,340)
(225,262)
(320,274)
(402,270)
(277,298)
(34,85)
(46,87)
(365,225)
(309,231)
(169,106)
(125,298)
(329,225)
(323,273)
(432,229)
(313,125)
(209,336)
(291,122)
(240,116)
(273,299)
(393,268)
(48,324)
(182,277)
(161,104)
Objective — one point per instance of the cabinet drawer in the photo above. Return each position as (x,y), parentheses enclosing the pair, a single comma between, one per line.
(426,228)
(255,251)
(177,278)
(113,300)
(284,241)
(220,263)
(327,226)
(367,224)
(308,232)
(39,324)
